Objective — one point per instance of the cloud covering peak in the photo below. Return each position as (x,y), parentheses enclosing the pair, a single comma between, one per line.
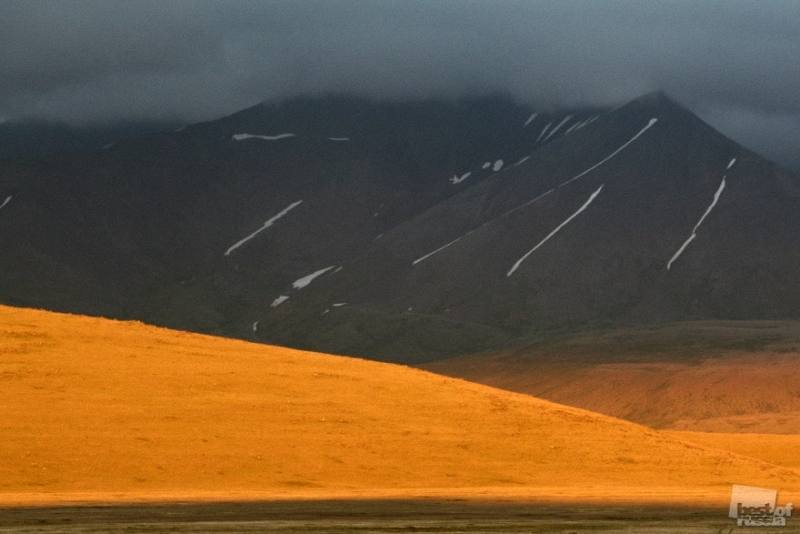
(732,61)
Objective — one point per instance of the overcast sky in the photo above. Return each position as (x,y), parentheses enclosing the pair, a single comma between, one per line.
(735,62)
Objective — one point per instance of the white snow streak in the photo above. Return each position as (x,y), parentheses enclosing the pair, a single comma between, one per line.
(255,326)
(458,179)
(617,151)
(691,238)
(429,254)
(680,251)
(558,127)
(339,304)
(278,301)
(520,162)
(497,165)
(530,119)
(486,165)
(6,201)
(339,139)
(300,283)
(730,164)
(587,122)
(278,137)
(266,225)
(544,131)
(554,232)
(526,204)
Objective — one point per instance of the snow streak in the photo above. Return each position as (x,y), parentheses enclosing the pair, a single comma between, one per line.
(544,131)
(278,301)
(558,127)
(446,245)
(300,283)
(555,231)
(266,225)
(530,119)
(458,179)
(245,136)
(710,207)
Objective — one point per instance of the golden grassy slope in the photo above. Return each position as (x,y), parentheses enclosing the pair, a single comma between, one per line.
(736,391)
(105,410)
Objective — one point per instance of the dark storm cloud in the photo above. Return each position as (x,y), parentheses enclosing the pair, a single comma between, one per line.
(732,61)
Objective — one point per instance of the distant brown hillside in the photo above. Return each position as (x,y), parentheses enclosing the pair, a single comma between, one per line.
(711,376)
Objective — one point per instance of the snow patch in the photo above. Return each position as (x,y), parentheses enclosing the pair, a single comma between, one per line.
(278,137)
(520,162)
(555,231)
(446,245)
(731,163)
(497,165)
(6,201)
(544,131)
(339,139)
(278,301)
(558,127)
(255,326)
(304,281)
(339,304)
(458,179)
(530,119)
(266,225)
(486,165)
(693,235)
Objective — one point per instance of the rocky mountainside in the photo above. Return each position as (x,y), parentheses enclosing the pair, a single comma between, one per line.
(408,231)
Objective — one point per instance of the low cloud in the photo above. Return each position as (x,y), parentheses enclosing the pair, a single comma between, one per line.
(733,61)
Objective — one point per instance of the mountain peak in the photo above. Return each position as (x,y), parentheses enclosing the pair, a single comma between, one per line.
(656,102)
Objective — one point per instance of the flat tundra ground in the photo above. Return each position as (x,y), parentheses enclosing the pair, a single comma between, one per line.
(376,516)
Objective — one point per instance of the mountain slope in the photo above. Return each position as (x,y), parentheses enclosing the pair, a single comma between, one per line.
(588,230)
(408,231)
(126,411)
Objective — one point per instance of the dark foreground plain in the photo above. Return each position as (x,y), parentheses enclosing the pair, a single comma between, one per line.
(373,516)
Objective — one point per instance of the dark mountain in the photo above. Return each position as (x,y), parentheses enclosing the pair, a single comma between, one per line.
(34,139)
(408,231)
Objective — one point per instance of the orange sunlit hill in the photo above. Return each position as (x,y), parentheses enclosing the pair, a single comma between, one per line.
(101,410)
